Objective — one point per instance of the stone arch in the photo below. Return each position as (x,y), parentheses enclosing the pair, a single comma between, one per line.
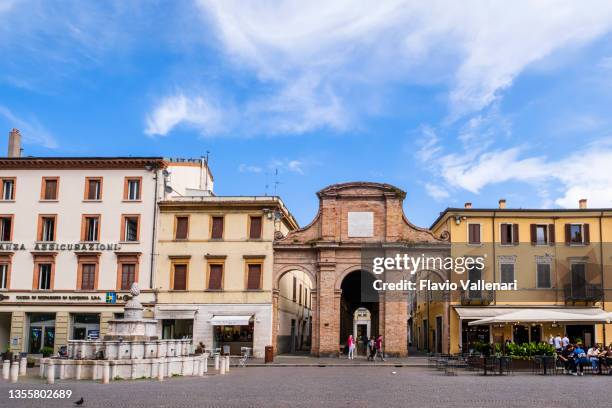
(347,271)
(278,274)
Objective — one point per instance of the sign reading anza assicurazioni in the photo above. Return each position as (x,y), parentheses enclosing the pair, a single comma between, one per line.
(52,246)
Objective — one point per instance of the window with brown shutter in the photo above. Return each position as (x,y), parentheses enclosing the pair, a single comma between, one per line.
(551,233)
(217,228)
(515,234)
(506,232)
(255,228)
(6,228)
(128,275)
(254,276)
(88,276)
(587,234)
(300,298)
(215,276)
(179,281)
(93,188)
(49,188)
(474,234)
(577,234)
(539,234)
(294,289)
(182,227)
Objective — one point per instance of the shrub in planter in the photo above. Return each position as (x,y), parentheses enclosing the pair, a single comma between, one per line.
(47,351)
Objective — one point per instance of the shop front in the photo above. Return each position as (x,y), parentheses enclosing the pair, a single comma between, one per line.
(41,332)
(232,333)
(85,326)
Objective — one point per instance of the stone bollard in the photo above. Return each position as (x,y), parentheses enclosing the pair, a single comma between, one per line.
(6,369)
(23,365)
(217,362)
(205,362)
(78,370)
(106,373)
(160,370)
(50,372)
(42,363)
(14,371)
(201,366)
(227,363)
(196,366)
(222,368)
(62,369)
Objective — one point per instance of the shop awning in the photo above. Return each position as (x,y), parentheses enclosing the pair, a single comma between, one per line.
(231,320)
(175,313)
(537,315)
(467,313)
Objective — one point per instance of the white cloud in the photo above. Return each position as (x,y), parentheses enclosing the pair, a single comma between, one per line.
(436,192)
(582,174)
(246,168)
(32,132)
(477,49)
(180,109)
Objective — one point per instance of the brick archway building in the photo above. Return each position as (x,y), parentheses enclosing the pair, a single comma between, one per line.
(351,217)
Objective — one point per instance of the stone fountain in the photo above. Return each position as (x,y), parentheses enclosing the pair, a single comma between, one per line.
(130,350)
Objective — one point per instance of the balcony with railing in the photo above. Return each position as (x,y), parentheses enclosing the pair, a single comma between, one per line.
(477,297)
(582,293)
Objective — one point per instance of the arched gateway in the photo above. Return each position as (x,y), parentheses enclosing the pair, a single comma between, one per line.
(352,218)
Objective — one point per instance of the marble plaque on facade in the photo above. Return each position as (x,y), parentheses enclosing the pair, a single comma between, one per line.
(361,224)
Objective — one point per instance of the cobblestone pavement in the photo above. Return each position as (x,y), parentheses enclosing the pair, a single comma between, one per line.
(330,387)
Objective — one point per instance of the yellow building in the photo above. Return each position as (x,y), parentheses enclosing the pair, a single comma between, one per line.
(558,258)
(213,277)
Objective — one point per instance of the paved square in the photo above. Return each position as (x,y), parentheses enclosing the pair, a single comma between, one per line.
(331,387)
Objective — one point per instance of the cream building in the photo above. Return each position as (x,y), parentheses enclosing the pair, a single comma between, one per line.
(294,313)
(214,270)
(74,234)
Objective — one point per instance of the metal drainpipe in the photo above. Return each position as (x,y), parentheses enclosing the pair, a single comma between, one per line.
(448,301)
(494,258)
(601,254)
(154,238)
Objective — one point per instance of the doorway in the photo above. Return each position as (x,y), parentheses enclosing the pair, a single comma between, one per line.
(358,304)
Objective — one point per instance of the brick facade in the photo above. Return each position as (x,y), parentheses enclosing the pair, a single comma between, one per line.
(325,251)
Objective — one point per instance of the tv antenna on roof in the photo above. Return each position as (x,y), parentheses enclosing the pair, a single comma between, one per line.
(276,182)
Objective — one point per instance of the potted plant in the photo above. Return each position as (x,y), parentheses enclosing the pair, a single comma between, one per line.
(47,351)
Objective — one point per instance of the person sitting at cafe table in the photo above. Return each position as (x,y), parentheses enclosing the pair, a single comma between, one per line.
(605,358)
(580,359)
(566,356)
(593,356)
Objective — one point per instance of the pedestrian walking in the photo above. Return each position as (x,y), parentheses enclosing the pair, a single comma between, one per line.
(379,348)
(351,347)
(371,351)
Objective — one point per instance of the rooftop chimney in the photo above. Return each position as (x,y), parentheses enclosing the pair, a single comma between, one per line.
(502,203)
(582,203)
(467,205)
(14,144)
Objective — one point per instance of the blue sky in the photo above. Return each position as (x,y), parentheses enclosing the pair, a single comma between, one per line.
(450,102)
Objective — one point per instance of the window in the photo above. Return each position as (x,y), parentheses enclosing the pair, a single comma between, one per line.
(44,276)
(215,276)
(474,234)
(128,275)
(254,276)
(4,272)
(6,227)
(254,227)
(46,228)
(93,188)
(181,230)
(306,302)
(130,228)
(543,279)
(294,297)
(300,296)
(577,234)
(88,276)
(179,277)
(216,228)
(507,272)
(91,228)
(49,188)
(8,189)
(509,234)
(542,234)
(132,188)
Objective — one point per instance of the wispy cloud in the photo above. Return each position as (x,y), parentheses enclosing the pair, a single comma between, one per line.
(32,131)
(247,168)
(581,174)
(178,110)
(478,51)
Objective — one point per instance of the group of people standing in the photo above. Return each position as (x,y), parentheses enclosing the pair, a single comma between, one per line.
(575,358)
(373,347)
